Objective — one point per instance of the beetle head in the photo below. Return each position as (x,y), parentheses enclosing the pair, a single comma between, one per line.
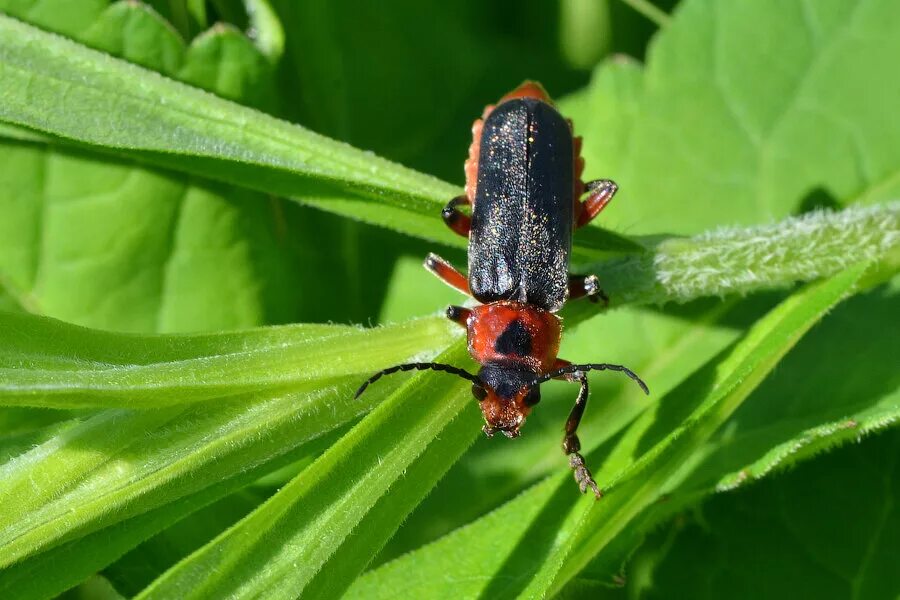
(506,397)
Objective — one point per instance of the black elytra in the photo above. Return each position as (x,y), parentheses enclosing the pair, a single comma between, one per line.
(522,217)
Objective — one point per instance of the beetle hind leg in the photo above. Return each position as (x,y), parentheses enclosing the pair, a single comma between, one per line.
(601,192)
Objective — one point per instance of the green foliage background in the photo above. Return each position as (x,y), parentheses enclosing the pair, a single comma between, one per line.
(168,433)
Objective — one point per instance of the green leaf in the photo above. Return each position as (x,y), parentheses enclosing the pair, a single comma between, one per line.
(788,536)
(24,428)
(112,244)
(174,126)
(541,539)
(41,576)
(140,567)
(711,133)
(285,547)
(809,404)
(266,28)
(184,128)
(47,363)
(723,388)
(787,420)
(105,468)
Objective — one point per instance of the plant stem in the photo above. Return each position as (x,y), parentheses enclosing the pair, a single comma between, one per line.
(650,11)
(742,260)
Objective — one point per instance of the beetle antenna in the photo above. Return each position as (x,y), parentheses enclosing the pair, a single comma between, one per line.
(418,367)
(569,369)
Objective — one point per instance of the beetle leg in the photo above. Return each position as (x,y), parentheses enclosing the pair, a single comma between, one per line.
(601,192)
(458,315)
(455,219)
(571,443)
(587,285)
(447,273)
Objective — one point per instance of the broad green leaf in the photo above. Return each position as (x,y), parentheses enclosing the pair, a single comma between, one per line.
(639,112)
(285,547)
(48,363)
(528,541)
(737,120)
(111,244)
(67,19)
(787,537)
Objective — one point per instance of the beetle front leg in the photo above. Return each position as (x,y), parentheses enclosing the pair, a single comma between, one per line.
(587,285)
(447,273)
(601,192)
(571,443)
(459,315)
(455,219)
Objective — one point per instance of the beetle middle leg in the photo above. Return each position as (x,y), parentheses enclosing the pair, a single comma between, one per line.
(447,273)
(455,219)
(601,192)
(587,285)
(571,443)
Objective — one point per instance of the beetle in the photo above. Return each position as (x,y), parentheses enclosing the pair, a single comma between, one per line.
(524,188)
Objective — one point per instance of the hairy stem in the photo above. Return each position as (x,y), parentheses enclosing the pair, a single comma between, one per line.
(742,260)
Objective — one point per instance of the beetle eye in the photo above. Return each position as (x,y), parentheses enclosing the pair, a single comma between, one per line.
(533,397)
(479,392)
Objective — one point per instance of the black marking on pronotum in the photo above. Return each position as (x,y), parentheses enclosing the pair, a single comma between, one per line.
(515,339)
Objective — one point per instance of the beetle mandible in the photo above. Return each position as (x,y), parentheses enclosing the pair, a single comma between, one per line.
(524,187)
